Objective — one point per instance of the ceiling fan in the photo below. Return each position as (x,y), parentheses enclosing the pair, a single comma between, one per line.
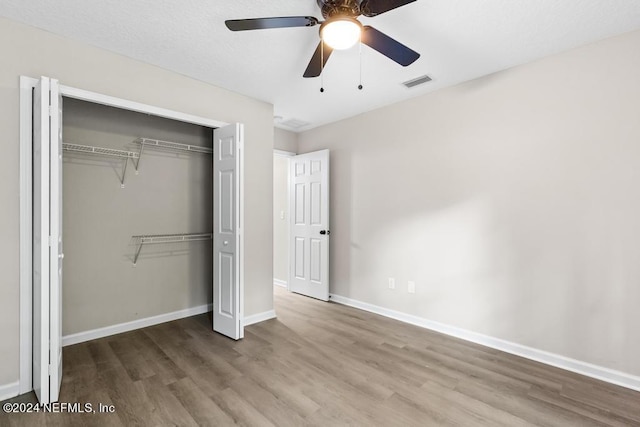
(340,30)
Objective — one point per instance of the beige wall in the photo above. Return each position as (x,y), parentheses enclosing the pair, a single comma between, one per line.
(511,200)
(281,218)
(285,140)
(32,52)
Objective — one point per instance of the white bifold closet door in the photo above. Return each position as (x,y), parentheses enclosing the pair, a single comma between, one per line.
(47,241)
(309,216)
(228,289)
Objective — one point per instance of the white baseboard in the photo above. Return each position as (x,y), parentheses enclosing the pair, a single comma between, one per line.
(7,391)
(154,320)
(573,365)
(135,324)
(278,282)
(259,317)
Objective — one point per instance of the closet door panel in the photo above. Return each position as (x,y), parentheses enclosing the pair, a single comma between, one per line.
(41,241)
(47,241)
(227,234)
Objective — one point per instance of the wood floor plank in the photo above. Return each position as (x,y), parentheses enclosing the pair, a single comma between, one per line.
(605,399)
(203,410)
(239,409)
(320,364)
(463,409)
(265,373)
(466,369)
(127,351)
(101,353)
(495,363)
(601,415)
(522,406)
(277,411)
(334,368)
(129,398)
(166,404)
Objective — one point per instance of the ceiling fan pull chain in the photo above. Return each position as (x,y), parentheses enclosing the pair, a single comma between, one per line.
(360,59)
(321,66)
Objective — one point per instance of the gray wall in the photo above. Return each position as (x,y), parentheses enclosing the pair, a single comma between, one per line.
(511,200)
(32,52)
(171,194)
(281,218)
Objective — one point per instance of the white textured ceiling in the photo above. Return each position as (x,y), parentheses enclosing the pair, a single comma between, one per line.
(459,40)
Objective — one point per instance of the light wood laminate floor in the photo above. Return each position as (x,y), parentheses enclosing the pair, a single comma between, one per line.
(321,364)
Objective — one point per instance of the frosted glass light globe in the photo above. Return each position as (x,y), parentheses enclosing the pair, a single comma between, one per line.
(341,33)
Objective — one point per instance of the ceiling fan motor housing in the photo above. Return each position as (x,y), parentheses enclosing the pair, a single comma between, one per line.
(330,8)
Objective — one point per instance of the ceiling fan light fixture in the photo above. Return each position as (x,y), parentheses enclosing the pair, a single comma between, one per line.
(341,33)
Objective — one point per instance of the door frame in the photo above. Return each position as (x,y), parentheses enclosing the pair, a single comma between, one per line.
(27,84)
(287,155)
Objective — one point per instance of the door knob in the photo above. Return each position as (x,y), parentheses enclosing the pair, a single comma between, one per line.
(325,232)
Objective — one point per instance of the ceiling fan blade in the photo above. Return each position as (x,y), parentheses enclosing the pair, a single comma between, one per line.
(389,47)
(265,23)
(318,60)
(372,8)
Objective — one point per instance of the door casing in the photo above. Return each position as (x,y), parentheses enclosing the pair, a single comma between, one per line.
(287,155)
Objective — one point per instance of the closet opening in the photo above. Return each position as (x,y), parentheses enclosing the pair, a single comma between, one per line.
(137,217)
(131,215)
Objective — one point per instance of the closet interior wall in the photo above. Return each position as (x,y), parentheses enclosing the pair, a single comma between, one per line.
(172,193)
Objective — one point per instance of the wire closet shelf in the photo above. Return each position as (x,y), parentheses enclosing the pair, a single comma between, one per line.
(148,239)
(109,152)
(100,151)
(135,156)
(158,143)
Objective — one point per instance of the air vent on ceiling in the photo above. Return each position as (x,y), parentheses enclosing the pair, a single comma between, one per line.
(294,123)
(417,81)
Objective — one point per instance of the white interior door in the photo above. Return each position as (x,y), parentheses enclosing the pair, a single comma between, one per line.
(228,289)
(309,216)
(47,242)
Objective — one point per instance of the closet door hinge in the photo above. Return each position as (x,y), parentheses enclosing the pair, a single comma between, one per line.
(51,111)
(49,240)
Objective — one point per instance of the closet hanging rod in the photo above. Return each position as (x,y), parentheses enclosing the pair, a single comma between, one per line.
(99,150)
(146,239)
(173,145)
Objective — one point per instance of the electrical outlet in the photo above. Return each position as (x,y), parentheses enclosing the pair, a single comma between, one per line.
(411,287)
(392,283)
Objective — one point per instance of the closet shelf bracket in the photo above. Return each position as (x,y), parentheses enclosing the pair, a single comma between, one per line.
(147,239)
(102,151)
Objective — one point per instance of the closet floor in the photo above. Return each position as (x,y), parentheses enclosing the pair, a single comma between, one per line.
(320,364)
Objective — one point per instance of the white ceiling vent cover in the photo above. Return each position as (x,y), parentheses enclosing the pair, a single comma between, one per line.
(417,81)
(294,123)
